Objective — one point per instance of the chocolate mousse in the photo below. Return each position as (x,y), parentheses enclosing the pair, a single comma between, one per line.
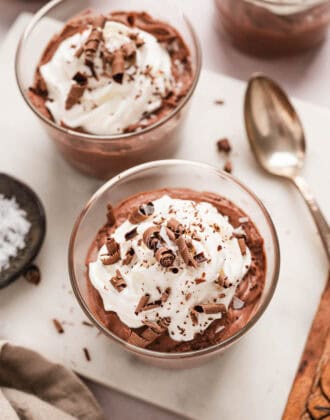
(112,74)
(274,28)
(175,270)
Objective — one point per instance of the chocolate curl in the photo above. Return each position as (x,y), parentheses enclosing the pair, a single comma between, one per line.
(142,303)
(76,92)
(165,256)
(165,295)
(110,215)
(129,256)
(118,66)
(91,46)
(242,245)
(141,213)
(79,52)
(118,282)
(174,229)
(194,317)
(200,258)
(113,252)
(185,249)
(211,308)
(151,237)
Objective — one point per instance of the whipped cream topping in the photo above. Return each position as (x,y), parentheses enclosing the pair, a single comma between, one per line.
(286,7)
(211,235)
(106,106)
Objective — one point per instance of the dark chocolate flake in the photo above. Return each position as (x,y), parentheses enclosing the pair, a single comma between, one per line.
(131,234)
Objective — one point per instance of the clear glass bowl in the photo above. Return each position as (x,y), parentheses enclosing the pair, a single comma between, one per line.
(170,174)
(103,156)
(272,28)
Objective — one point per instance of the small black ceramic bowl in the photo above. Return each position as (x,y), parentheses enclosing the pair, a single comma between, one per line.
(27,200)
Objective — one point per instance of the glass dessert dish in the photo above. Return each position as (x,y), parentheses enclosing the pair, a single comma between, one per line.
(103,155)
(270,28)
(170,174)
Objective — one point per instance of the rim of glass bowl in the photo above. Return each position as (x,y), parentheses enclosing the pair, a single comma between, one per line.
(286,3)
(170,163)
(90,137)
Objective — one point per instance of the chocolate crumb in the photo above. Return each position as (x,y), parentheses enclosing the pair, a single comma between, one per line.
(87,355)
(58,326)
(131,234)
(32,275)
(228,167)
(219,102)
(87,324)
(224,145)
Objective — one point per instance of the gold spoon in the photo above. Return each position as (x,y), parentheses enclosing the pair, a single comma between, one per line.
(277,139)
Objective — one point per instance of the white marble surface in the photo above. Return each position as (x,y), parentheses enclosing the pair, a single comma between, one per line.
(306,77)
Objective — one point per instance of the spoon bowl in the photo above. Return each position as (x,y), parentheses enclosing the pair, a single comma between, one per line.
(29,202)
(273,127)
(277,139)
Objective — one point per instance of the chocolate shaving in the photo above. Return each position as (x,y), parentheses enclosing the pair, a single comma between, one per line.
(219,102)
(224,145)
(74,95)
(58,326)
(165,295)
(80,78)
(99,21)
(110,215)
(200,258)
(211,308)
(91,46)
(194,316)
(242,245)
(118,282)
(136,340)
(87,324)
(199,280)
(142,303)
(87,355)
(79,52)
(32,275)
(175,227)
(129,49)
(131,234)
(151,306)
(228,167)
(185,249)
(106,55)
(136,216)
(161,31)
(165,322)
(118,66)
(151,237)
(141,213)
(113,250)
(129,256)
(159,329)
(165,256)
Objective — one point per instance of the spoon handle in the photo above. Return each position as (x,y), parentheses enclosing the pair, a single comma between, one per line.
(319,219)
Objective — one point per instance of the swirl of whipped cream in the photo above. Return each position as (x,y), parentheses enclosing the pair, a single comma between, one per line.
(214,237)
(107,107)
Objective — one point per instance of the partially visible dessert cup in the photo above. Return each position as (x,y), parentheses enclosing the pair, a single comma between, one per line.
(103,155)
(274,28)
(170,174)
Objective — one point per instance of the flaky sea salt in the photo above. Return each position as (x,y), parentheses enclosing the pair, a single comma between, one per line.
(13,229)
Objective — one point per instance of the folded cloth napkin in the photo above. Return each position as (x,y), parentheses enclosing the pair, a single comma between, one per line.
(32,388)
